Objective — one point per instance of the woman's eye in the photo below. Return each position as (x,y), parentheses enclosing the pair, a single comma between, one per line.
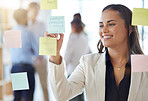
(111,24)
(101,26)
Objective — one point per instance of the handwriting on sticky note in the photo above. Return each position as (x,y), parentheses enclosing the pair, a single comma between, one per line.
(48,4)
(12,39)
(56,24)
(19,81)
(48,46)
(50,1)
(139,16)
(139,63)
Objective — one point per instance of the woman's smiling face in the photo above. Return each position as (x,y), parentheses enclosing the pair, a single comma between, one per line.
(112,31)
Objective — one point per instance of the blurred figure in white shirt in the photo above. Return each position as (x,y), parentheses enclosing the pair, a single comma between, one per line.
(40,63)
(76,47)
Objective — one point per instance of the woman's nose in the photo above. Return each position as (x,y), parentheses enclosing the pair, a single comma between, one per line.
(105,29)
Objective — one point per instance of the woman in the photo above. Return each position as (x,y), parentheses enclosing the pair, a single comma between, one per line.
(105,76)
(77,16)
(76,47)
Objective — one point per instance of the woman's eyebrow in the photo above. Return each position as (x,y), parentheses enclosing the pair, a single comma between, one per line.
(110,21)
(107,21)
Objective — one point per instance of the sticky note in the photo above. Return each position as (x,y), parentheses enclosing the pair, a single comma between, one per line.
(139,63)
(12,39)
(140,16)
(56,24)
(48,4)
(48,46)
(19,81)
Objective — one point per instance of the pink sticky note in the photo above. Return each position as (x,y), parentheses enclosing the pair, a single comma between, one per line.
(139,63)
(12,39)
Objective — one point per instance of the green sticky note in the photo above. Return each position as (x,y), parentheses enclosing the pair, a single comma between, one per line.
(48,4)
(140,16)
(48,46)
(56,24)
(19,81)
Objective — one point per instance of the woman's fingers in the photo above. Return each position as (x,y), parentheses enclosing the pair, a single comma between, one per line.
(60,42)
(51,35)
(61,36)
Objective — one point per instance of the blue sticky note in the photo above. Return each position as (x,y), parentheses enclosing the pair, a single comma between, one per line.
(56,24)
(19,81)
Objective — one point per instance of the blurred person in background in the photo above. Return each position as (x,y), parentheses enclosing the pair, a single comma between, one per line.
(22,57)
(76,47)
(77,16)
(38,28)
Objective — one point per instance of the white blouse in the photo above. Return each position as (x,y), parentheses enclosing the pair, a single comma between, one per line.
(76,47)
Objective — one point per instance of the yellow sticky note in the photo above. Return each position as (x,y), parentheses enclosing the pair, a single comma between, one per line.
(48,46)
(48,4)
(140,16)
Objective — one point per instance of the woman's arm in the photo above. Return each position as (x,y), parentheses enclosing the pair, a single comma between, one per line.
(62,88)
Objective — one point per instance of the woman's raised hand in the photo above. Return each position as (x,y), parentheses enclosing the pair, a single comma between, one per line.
(56,59)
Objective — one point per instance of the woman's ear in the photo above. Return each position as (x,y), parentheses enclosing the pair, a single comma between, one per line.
(130,30)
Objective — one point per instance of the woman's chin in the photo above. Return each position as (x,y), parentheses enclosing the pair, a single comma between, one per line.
(106,45)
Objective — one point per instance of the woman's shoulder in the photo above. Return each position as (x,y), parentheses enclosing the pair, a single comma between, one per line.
(91,58)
